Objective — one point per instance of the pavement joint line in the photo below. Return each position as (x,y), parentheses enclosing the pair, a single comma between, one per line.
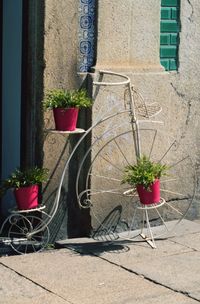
(187,246)
(184,234)
(139,275)
(180,253)
(151,280)
(35,283)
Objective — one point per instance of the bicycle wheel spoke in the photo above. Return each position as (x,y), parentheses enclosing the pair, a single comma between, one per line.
(111,163)
(18,248)
(23,222)
(122,153)
(167,151)
(170,180)
(179,162)
(175,209)
(33,247)
(173,192)
(26,248)
(152,144)
(19,228)
(160,216)
(105,177)
(18,233)
(24,240)
(110,191)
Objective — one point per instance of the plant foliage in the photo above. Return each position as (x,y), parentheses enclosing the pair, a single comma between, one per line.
(24,178)
(144,172)
(60,98)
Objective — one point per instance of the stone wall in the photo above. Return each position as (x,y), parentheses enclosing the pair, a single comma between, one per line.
(128,41)
(60,52)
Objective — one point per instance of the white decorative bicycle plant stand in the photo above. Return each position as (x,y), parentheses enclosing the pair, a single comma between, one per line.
(123,131)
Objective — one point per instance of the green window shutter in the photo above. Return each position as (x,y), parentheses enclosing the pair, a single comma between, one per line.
(169,34)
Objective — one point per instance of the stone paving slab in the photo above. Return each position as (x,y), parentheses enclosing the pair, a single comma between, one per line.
(179,272)
(175,263)
(88,279)
(140,250)
(16,289)
(122,272)
(184,227)
(191,241)
(137,251)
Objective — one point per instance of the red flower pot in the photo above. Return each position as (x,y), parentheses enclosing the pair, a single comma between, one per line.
(65,119)
(151,196)
(27,197)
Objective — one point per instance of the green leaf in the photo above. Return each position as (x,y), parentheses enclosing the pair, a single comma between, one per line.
(23,178)
(144,172)
(61,98)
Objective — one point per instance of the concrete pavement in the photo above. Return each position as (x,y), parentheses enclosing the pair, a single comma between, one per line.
(87,272)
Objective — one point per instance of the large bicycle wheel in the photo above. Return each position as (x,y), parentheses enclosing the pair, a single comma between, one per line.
(23,234)
(115,207)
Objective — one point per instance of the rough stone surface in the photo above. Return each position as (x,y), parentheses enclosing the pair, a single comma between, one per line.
(128,34)
(128,41)
(111,156)
(61,24)
(14,288)
(119,272)
(60,52)
(176,92)
(80,279)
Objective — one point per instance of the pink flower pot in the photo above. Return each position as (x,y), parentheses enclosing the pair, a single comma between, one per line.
(65,119)
(151,196)
(27,197)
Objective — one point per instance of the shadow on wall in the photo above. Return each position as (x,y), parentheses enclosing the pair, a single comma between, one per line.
(69,220)
(57,220)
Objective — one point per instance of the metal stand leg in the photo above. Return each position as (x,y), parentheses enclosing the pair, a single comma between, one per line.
(150,240)
(145,217)
(132,222)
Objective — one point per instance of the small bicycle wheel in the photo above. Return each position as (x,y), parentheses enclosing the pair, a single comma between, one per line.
(23,233)
(115,207)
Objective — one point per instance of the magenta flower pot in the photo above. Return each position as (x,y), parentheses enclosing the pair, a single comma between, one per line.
(27,197)
(65,119)
(151,196)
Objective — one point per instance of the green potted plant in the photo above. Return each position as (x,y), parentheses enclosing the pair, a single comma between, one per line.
(65,105)
(145,177)
(26,186)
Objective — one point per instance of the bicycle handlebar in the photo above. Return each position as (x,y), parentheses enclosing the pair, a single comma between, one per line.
(112,83)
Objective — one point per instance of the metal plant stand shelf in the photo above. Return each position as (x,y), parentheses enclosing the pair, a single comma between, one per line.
(145,219)
(76,131)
